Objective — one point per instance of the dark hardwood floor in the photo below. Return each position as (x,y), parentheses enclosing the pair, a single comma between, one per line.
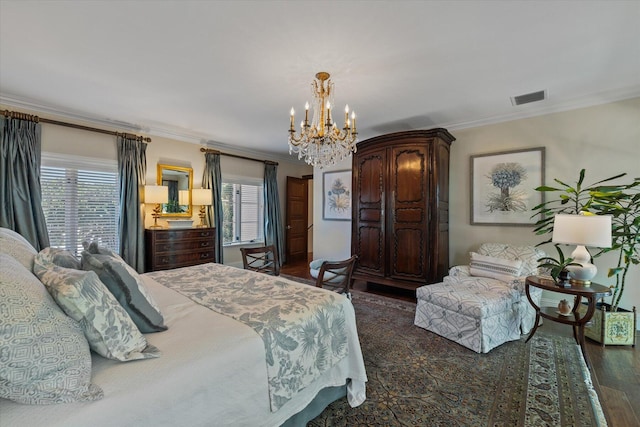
(615,370)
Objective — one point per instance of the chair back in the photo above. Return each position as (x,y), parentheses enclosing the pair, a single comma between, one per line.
(336,275)
(263,259)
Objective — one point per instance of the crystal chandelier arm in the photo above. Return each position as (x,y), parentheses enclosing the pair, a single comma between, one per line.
(293,139)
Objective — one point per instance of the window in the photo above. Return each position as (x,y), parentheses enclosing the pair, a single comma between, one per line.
(243,211)
(80,199)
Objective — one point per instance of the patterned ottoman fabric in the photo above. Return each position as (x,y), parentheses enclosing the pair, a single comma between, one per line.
(475,298)
(477,334)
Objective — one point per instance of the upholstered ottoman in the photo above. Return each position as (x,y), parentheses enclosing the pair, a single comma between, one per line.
(478,314)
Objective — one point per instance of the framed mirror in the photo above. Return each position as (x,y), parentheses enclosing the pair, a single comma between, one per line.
(180,182)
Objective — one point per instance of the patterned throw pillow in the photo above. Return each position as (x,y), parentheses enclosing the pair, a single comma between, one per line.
(126,285)
(44,357)
(496,268)
(106,325)
(528,254)
(59,257)
(13,244)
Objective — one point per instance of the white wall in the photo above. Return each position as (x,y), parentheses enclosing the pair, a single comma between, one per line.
(331,239)
(605,140)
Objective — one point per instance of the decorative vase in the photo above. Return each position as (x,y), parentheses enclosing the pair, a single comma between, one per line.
(564,307)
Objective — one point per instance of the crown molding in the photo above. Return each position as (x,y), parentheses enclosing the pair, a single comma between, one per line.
(37,107)
(529,110)
(155,129)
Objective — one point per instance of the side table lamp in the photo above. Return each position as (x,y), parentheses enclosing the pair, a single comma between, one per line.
(157,194)
(202,197)
(582,230)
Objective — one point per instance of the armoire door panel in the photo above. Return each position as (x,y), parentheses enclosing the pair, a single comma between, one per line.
(410,173)
(409,254)
(370,215)
(409,215)
(370,248)
(370,176)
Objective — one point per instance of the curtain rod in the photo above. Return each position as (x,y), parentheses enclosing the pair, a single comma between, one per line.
(210,150)
(32,118)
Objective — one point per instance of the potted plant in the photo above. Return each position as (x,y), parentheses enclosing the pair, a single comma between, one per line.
(611,325)
(557,267)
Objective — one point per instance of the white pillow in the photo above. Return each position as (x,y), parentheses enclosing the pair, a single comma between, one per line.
(496,268)
(16,246)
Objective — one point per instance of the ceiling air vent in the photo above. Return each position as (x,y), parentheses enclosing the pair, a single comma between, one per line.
(529,97)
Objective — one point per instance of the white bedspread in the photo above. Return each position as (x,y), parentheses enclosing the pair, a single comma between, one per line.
(303,330)
(212,372)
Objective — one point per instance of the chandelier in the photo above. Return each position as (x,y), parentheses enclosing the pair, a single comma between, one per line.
(321,143)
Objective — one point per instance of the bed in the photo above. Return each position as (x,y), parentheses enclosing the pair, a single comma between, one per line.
(215,368)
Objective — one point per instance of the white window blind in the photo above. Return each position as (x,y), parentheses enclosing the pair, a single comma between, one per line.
(80,201)
(243,210)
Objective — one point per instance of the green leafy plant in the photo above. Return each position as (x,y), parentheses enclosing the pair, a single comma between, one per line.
(621,201)
(556,266)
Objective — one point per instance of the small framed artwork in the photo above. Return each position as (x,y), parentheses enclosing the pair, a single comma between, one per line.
(503,187)
(336,195)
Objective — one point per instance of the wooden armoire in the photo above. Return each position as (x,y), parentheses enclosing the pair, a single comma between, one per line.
(400,222)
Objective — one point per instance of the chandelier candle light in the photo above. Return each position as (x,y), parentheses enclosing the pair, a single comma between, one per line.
(321,143)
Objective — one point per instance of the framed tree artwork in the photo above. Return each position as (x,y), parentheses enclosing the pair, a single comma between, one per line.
(336,195)
(503,187)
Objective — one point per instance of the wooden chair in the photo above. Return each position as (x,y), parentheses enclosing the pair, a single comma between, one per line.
(336,275)
(263,259)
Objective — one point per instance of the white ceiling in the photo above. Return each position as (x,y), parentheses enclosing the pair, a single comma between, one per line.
(229,72)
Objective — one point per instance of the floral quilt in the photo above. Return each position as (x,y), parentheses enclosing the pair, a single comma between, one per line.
(303,328)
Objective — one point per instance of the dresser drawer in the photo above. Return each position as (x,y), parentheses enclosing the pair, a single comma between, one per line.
(181,245)
(167,249)
(187,234)
(184,259)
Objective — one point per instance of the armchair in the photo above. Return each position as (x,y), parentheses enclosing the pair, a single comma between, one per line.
(482,305)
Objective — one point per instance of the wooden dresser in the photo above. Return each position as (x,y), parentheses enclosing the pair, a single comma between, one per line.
(400,221)
(165,249)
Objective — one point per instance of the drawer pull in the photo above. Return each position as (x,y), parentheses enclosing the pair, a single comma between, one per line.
(204,255)
(204,244)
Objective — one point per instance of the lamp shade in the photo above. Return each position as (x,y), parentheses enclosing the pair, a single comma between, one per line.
(585,230)
(201,196)
(183,197)
(156,194)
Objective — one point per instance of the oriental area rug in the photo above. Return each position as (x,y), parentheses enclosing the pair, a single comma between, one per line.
(417,378)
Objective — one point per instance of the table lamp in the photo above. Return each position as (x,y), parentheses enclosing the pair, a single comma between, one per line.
(582,230)
(157,194)
(202,197)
